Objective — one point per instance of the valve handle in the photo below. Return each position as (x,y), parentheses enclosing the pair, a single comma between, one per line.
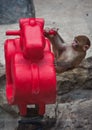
(10,32)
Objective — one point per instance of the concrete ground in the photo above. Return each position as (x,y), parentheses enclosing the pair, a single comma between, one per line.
(72,17)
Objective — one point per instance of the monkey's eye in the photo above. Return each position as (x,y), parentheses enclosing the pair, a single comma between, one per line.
(76,41)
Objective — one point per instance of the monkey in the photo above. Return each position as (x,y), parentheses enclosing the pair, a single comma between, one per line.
(67,57)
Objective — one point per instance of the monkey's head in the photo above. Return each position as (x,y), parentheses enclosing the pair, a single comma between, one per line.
(81,43)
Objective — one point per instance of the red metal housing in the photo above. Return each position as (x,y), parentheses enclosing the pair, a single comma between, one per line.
(30,72)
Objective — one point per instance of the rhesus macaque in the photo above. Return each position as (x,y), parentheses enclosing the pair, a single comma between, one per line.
(67,56)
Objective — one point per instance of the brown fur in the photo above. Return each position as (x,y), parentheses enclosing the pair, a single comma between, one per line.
(68,56)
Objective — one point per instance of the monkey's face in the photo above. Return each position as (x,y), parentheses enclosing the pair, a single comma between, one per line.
(81,43)
(75,43)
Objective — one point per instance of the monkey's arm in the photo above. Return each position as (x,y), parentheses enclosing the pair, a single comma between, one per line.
(56,40)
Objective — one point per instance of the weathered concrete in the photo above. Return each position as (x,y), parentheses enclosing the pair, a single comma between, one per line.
(72,17)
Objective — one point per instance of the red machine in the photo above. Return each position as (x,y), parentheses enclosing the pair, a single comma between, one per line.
(30,72)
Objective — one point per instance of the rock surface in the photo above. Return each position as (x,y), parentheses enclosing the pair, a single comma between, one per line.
(74,116)
(74,99)
(79,78)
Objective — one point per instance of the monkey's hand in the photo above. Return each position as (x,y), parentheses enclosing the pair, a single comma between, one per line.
(50,32)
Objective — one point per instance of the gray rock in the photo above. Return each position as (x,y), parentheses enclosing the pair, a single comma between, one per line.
(12,11)
(74,99)
(75,115)
(2,71)
(79,78)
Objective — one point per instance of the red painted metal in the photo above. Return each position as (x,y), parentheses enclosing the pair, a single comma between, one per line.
(30,72)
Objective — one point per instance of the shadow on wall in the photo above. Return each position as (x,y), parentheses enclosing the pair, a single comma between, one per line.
(12,10)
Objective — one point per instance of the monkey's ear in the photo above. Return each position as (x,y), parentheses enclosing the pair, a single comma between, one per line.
(86,47)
